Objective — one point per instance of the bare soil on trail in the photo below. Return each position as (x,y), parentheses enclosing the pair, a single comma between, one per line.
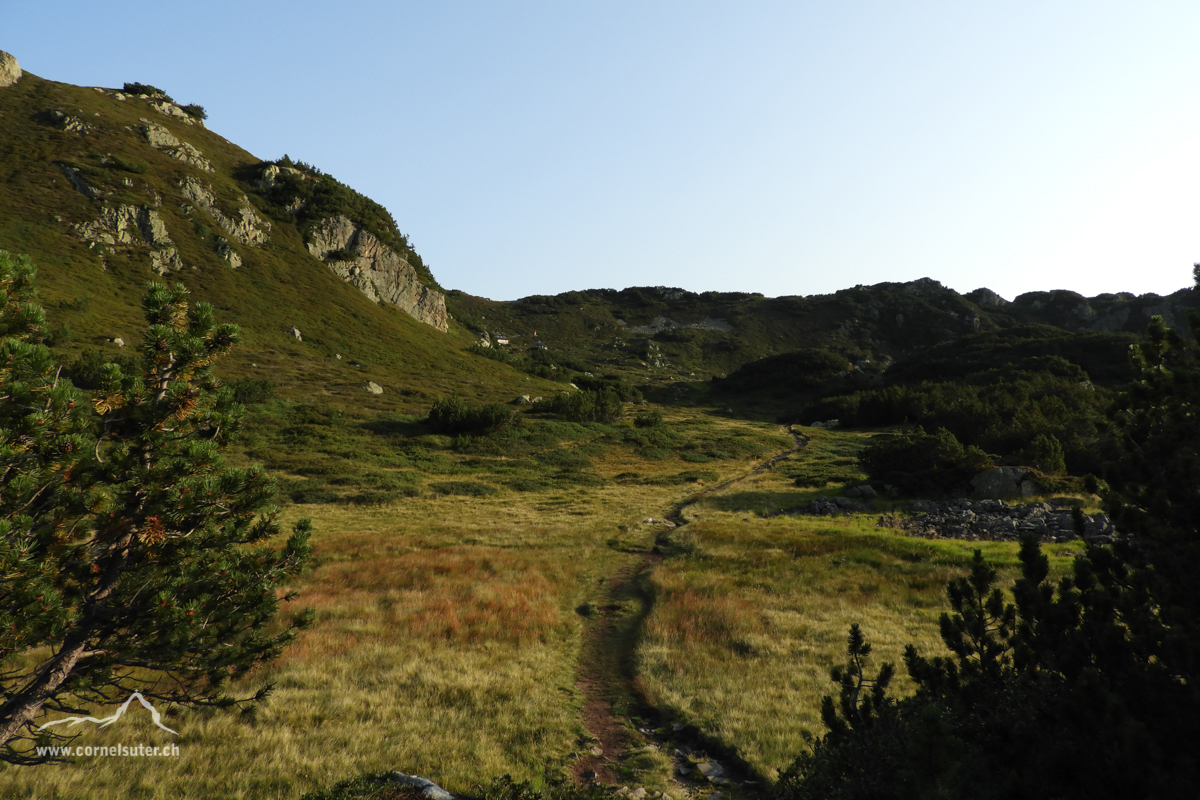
(606,671)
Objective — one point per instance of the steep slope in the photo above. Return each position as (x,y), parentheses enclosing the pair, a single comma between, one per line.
(106,190)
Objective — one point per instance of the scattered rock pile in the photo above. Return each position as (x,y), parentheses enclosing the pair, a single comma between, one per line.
(996,520)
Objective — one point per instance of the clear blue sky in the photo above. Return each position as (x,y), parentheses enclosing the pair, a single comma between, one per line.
(778,147)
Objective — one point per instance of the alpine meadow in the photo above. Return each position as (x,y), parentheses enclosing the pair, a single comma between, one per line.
(283,511)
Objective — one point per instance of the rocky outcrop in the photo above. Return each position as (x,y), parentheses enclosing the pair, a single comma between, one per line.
(231,256)
(986,298)
(10,70)
(360,259)
(162,139)
(66,122)
(75,178)
(134,225)
(245,226)
(174,111)
(125,225)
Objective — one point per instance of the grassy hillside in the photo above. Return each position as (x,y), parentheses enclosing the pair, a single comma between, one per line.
(95,291)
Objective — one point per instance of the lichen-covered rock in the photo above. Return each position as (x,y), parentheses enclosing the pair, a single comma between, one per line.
(173,111)
(124,224)
(66,122)
(226,251)
(162,139)
(158,136)
(165,260)
(77,182)
(376,270)
(10,70)
(986,298)
(246,226)
(127,225)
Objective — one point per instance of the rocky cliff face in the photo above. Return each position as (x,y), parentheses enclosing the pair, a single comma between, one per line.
(10,70)
(360,259)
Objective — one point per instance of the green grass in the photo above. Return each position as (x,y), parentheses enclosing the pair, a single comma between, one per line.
(752,613)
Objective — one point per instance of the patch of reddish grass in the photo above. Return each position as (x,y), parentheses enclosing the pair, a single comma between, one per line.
(468,594)
(689,614)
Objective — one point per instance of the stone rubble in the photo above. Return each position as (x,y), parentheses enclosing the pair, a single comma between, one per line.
(996,520)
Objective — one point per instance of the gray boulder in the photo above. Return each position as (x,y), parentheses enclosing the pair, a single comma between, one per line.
(10,70)
(864,491)
(1003,482)
(426,787)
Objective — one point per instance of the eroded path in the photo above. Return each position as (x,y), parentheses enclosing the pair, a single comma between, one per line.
(606,674)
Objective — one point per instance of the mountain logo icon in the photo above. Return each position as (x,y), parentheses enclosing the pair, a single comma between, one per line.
(106,721)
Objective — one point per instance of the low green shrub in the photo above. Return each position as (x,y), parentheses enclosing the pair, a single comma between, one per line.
(147,89)
(249,391)
(648,419)
(195,111)
(464,488)
(584,406)
(451,416)
(917,461)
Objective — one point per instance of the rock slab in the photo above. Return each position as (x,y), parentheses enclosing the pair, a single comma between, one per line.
(376,270)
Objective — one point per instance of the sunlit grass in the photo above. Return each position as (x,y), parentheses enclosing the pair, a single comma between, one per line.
(445,643)
(747,623)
